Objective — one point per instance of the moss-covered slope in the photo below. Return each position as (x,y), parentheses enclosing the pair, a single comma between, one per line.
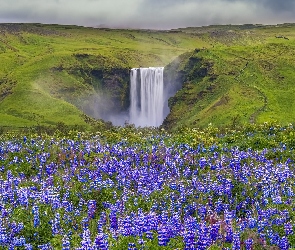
(247,76)
(229,74)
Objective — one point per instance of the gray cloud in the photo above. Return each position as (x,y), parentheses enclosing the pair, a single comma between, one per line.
(162,14)
(275,5)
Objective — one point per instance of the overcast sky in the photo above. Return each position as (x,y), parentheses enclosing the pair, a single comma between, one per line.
(154,14)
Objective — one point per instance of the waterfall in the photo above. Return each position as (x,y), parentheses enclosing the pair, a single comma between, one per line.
(147,96)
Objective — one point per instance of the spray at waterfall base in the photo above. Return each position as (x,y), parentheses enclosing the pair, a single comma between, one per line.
(148,96)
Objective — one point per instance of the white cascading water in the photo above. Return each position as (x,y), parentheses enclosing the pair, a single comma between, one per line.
(147,96)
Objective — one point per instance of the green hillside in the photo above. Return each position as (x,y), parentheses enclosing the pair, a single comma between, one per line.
(48,72)
(230,74)
(247,76)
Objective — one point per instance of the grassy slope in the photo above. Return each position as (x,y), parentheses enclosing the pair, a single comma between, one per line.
(251,79)
(30,52)
(250,76)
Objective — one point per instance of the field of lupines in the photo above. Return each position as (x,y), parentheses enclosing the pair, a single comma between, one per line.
(133,189)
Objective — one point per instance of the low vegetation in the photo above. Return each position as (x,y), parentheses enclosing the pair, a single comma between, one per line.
(129,188)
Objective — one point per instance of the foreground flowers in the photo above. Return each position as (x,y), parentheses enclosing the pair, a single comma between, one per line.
(82,194)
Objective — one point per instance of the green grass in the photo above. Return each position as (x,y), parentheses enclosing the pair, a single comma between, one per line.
(245,83)
(29,52)
(47,72)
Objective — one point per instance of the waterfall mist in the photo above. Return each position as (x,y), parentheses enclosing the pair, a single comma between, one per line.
(147,96)
(149,91)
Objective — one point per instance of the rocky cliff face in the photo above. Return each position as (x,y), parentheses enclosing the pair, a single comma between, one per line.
(111,91)
(96,86)
(178,78)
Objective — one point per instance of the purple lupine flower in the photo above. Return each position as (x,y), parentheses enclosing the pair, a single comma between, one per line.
(35,211)
(85,223)
(274,238)
(277,200)
(86,240)
(175,224)
(214,231)
(141,241)
(162,235)
(204,240)
(23,196)
(91,208)
(284,243)
(101,241)
(229,234)
(3,235)
(127,229)
(219,206)
(28,247)
(113,221)
(103,218)
(288,228)
(202,211)
(252,223)
(236,241)
(202,162)
(149,235)
(99,226)
(55,227)
(45,247)
(248,244)
(189,239)
(152,222)
(66,245)
(132,246)
(19,241)
(140,222)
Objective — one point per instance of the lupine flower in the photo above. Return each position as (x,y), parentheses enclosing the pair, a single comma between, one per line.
(45,247)
(132,246)
(133,174)
(113,221)
(214,231)
(277,200)
(91,208)
(28,247)
(236,241)
(86,241)
(56,224)
(66,243)
(163,238)
(251,223)
(288,228)
(284,243)
(248,244)
(101,241)
(189,239)
(3,234)
(149,235)
(204,240)
(35,211)
(127,229)
(19,241)
(229,234)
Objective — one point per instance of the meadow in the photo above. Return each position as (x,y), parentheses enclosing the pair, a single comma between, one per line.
(145,188)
